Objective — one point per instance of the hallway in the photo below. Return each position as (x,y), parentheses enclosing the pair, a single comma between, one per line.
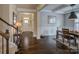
(46,45)
(37,20)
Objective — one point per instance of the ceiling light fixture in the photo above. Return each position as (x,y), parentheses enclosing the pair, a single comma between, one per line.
(72,14)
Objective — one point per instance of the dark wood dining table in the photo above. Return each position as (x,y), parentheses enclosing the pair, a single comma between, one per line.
(74,33)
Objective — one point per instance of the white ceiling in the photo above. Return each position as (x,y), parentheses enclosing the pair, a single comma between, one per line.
(56,8)
(60,8)
(27,6)
(51,6)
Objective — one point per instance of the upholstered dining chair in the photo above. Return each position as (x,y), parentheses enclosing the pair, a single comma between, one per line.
(67,36)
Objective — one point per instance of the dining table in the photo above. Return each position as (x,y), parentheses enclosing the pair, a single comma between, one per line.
(75,34)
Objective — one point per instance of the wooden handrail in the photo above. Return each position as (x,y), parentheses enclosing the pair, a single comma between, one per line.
(7,23)
(6,35)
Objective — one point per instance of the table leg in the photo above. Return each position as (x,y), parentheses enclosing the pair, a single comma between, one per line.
(75,41)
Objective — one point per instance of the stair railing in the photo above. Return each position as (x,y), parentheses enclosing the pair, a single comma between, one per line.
(6,35)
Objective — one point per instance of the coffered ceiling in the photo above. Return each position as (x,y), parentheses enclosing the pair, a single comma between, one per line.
(60,8)
(56,8)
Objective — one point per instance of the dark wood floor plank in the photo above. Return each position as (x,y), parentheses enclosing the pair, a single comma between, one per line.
(43,46)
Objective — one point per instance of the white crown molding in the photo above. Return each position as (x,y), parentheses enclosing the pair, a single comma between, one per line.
(75,10)
(40,7)
(26,10)
(67,9)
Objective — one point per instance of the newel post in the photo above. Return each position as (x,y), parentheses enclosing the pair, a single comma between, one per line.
(17,33)
(7,42)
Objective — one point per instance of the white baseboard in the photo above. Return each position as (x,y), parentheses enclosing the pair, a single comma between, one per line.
(38,38)
(34,35)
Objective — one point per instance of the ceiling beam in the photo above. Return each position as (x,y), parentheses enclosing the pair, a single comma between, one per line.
(41,6)
(60,7)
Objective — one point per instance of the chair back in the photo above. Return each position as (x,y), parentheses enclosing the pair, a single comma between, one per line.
(65,31)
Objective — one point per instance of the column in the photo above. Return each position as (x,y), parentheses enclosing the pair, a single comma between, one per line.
(38,25)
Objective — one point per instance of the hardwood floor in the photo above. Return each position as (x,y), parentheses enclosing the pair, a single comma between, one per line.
(45,45)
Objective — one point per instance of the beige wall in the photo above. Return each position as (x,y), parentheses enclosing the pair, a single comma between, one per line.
(6,13)
(0,10)
(0,17)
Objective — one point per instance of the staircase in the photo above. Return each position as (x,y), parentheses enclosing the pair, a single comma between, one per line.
(7,47)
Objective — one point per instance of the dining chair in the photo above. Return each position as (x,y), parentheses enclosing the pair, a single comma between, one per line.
(67,36)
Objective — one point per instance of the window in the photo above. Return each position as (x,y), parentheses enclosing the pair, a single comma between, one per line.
(26,20)
(51,19)
(76,25)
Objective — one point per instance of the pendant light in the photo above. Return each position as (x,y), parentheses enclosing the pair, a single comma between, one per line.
(72,14)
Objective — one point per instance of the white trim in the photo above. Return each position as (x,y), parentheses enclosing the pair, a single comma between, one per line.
(38,37)
(38,25)
(34,35)
(25,10)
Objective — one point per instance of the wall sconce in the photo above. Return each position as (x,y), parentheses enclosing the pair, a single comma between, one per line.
(18,24)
